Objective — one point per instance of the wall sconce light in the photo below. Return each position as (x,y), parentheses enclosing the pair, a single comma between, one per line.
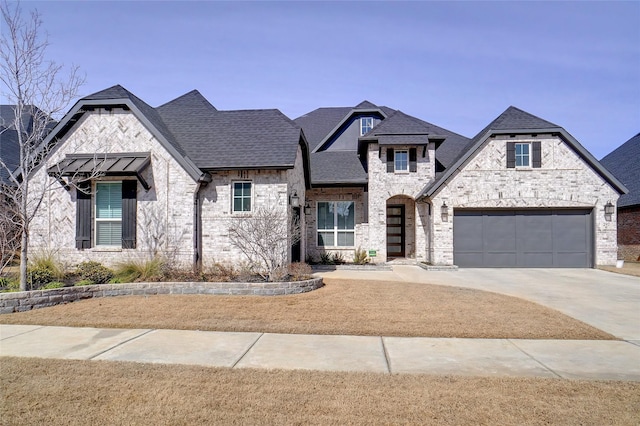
(608,211)
(294,200)
(444,211)
(307,209)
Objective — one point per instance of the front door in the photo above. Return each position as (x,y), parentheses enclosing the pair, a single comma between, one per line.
(395,231)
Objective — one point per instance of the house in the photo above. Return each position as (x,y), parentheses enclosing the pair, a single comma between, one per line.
(624,163)
(129,179)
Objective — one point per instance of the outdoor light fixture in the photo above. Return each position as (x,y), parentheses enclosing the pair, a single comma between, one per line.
(294,200)
(444,211)
(307,209)
(608,211)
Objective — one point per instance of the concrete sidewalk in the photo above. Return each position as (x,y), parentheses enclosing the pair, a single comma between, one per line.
(570,359)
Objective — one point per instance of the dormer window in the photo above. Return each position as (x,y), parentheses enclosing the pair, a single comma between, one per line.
(366,124)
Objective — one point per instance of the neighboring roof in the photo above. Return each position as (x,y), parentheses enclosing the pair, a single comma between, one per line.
(9,144)
(624,163)
(337,167)
(516,121)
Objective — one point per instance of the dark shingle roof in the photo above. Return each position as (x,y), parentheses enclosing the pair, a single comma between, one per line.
(337,167)
(624,163)
(9,152)
(400,128)
(231,139)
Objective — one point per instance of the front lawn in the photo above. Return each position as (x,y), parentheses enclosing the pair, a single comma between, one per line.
(341,307)
(47,391)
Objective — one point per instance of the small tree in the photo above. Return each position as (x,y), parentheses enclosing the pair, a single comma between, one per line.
(38,93)
(265,238)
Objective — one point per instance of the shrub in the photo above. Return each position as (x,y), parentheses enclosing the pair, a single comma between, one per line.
(223,272)
(141,270)
(44,268)
(326,259)
(53,284)
(94,272)
(9,284)
(300,271)
(83,282)
(360,256)
(337,258)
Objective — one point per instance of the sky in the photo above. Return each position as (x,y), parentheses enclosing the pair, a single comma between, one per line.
(454,64)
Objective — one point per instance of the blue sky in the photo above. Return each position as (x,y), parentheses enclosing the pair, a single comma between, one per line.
(455,64)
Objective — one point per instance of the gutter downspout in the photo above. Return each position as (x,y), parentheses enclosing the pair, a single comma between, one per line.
(197,222)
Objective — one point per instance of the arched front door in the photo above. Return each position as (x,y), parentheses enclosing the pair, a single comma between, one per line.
(396,231)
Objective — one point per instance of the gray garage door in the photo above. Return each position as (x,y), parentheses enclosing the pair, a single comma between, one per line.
(523,238)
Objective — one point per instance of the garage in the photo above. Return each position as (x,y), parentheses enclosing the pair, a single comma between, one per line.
(549,238)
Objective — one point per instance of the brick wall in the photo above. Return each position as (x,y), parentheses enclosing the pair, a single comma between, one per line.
(629,233)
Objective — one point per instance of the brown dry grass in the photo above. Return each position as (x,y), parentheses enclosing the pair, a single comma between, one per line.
(341,307)
(36,392)
(629,268)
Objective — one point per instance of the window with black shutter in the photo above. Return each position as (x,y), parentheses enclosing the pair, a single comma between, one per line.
(511,155)
(83,215)
(390,161)
(413,160)
(536,150)
(129,212)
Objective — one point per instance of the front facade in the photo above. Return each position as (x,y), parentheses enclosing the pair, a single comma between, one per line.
(126,179)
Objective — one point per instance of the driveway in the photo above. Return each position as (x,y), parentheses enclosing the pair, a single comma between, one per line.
(608,301)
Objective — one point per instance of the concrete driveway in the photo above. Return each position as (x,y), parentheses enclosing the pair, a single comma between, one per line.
(608,301)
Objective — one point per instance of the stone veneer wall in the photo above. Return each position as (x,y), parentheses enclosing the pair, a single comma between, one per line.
(27,300)
(384,185)
(629,233)
(564,180)
(166,209)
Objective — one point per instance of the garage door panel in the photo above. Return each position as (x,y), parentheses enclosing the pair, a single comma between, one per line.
(499,232)
(523,238)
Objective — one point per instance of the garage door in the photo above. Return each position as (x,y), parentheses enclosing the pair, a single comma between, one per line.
(523,238)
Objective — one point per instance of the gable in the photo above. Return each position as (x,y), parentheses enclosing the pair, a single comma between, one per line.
(515,123)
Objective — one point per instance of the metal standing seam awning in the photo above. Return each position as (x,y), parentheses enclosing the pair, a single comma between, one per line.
(102,164)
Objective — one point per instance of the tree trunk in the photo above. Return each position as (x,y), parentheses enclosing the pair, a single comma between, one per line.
(23,259)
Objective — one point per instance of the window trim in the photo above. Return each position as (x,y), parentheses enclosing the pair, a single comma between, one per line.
(96,219)
(233,197)
(395,161)
(335,229)
(362,126)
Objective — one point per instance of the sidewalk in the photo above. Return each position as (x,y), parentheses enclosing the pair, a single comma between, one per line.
(569,359)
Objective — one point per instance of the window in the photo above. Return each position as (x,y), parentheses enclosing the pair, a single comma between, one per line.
(242,196)
(366,124)
(401,161)
(114,223)
(108,226)
(523,154)
(336,224)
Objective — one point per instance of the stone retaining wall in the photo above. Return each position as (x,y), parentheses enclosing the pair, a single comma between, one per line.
(27,300)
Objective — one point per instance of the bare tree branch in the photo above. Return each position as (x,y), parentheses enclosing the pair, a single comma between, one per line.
(39,94)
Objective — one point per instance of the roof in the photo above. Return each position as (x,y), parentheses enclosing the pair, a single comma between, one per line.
(219,140)
(516,121)
(337,167)
(200,137)
(624,163)
(323,122)
(9,144)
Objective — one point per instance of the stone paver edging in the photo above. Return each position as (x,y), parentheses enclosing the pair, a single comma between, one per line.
(27,300)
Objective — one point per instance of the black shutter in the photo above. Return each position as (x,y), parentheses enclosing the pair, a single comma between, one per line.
(511,155)
(413,160)
(129,202)
(390,160)
(83,215)
(537,154)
